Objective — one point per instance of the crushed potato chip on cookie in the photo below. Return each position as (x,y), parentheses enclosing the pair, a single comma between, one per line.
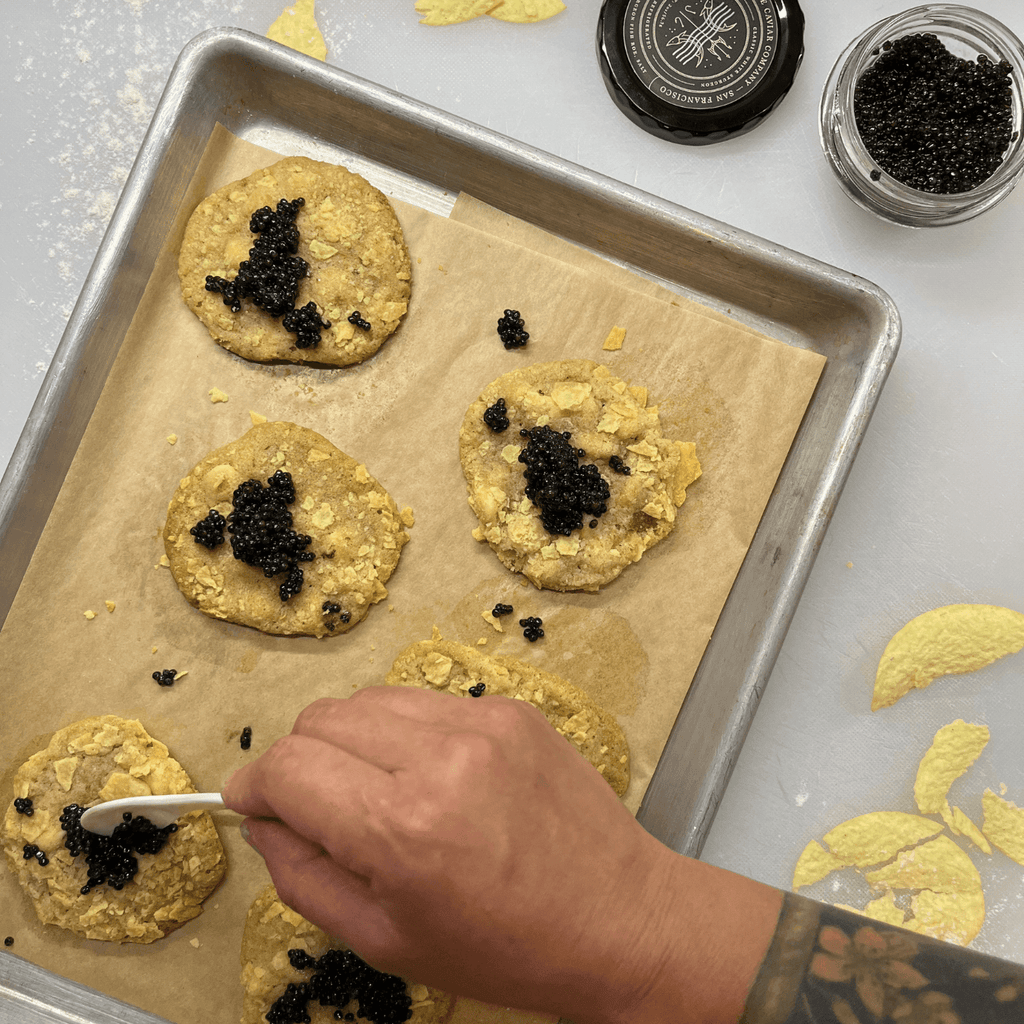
(950,640)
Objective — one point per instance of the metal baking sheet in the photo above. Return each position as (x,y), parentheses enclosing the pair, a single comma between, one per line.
(277,98)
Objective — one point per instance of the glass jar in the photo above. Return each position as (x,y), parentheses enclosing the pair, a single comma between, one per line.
(966,33)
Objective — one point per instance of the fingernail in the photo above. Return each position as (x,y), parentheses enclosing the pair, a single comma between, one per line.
(247,836)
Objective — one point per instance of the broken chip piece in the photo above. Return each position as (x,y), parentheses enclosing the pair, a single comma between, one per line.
(1004,825)
(296,27)
(950,640)
(955,748)
(616,336)
(451,12)
(525,11)
(878,836)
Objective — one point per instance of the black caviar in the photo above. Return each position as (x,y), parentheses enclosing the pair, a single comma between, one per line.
(306,323)
(111,859)
(245,740)
(23,805)
(356,319)
(261,531)
(165,677)
(616,465)
(210,531)
(332,608)
(9,941)
(270,276)
(510,329)
(477,690)
(496,416)
(934,121)
(339,976)
(501,609)
(531,627)
(557,484)
(30,850)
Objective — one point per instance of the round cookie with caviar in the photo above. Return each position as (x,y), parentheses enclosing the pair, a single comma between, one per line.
(302,261)
(467,672)
(282,951)
(569,474)
(282,531)
(139,884)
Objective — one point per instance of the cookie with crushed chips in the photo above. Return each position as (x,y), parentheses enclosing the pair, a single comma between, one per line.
(455,668)
(355,530)
(94,760)
(271,930)
(358,273)
(610,428)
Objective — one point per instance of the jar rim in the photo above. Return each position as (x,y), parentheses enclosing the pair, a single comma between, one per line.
(971,30)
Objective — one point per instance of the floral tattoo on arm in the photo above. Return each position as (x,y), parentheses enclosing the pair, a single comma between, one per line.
(830,966)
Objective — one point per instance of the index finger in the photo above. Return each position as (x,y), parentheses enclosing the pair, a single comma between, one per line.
(318,790)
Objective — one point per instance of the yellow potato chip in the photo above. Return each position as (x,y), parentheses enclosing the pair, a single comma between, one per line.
(951,904)
(296,27)
(878,836)
(1004,825)
(960,825)
(814,864)
(883,909)
(616,336)
(950,640)
(954,749)
(527,10)
(450,12)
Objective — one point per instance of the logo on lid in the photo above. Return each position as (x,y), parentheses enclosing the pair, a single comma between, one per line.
(700,54)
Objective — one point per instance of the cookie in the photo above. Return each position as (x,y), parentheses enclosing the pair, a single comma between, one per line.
(350,239)
(271,930)
(605,483)
(453,667)
(98,759)
(352,529)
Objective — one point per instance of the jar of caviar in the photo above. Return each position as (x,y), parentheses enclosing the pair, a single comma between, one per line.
(921,116)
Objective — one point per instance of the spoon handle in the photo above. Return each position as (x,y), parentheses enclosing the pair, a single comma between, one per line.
(160,810)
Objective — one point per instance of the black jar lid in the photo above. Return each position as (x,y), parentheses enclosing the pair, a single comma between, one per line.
(699,71)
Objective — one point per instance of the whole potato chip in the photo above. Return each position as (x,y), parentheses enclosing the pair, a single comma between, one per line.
(451,12)
(950,640)
(527,10)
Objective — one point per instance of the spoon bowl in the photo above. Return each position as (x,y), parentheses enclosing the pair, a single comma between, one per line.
(160,810)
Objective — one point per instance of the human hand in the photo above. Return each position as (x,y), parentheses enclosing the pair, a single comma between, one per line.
(463,844)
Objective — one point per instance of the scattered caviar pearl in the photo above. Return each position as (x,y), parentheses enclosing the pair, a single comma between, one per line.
(165,677)
(9,941)
(510,330)
(501,609)
(23,805)
(29,850)
(931,120)
(357,320)
(496,416)
(557,484)
(270,276)
(531,628)
(245,740)
(618,466)
(477,690)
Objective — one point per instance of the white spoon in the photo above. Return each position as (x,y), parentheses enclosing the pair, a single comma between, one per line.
(160,810)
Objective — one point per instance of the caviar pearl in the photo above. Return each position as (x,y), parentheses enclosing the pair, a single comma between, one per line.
(510,330)
(501,609)
(245,740)
(477,690)
(531,628)
(23,805)
(166,677)
(496,416)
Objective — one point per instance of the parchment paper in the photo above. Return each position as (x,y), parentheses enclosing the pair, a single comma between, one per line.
(634,646)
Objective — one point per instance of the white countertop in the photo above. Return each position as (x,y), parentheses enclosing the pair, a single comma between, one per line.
(932,511)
